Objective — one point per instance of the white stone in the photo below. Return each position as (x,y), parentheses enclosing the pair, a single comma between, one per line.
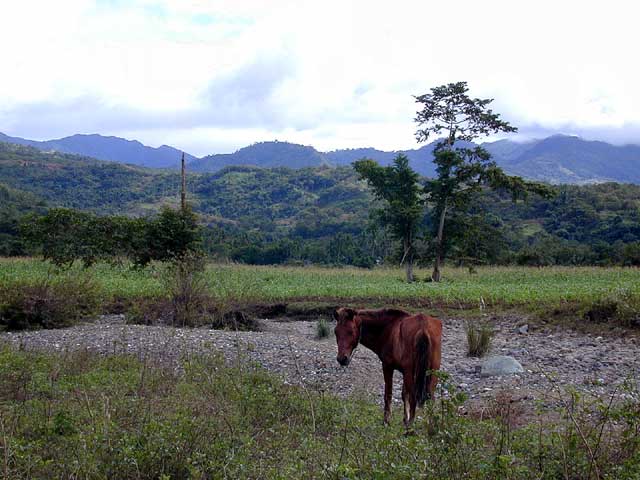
(500,365)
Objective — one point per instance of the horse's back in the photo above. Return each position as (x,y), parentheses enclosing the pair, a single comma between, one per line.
(421,322)
(420,325)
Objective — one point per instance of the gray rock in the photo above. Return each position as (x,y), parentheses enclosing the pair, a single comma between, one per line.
(523,329)
(500,365)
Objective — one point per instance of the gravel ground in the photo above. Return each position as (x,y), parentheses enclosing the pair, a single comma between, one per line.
(552,359)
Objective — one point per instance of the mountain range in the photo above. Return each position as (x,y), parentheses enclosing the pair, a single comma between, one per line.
(114,149)
(271,215)
(556,159)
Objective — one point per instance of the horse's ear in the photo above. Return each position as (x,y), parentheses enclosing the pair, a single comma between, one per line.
(335,314)
(354,315)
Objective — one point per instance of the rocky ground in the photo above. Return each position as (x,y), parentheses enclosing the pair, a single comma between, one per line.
(552,359)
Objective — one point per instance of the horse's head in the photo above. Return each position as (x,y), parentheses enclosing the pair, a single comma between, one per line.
(347,333)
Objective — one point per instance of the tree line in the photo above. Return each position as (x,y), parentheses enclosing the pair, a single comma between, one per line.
(64,236)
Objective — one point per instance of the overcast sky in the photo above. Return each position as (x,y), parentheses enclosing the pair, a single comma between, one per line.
(213,76)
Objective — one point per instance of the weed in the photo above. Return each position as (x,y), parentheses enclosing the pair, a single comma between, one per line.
(323,329)
(479,337)
(620,306)
(90,416)
(52,302)
(186,285)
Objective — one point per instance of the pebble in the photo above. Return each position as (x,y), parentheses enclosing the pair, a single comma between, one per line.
(567,357)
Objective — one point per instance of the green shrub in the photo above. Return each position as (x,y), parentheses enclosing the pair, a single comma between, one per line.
(186,284)
(620,307)
(479,338)
(323,329)
(55,302)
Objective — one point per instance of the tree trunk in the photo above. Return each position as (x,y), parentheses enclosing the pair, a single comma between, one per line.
(408,258)
(409,268)
(435,276)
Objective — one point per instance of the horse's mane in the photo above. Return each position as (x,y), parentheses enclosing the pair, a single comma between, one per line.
(384,314)
(395,312)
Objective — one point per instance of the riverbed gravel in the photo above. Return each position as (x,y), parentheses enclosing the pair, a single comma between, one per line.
(553,359)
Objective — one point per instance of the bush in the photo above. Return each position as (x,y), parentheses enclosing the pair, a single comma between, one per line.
(65,236)
(50,303)
(323,330)
(161,311)
(186,284)
(620,307)
(479,338)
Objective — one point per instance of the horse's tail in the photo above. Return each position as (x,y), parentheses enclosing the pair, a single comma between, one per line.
(421,370)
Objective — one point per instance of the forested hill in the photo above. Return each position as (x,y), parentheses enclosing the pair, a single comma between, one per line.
(82,182)
(321,214)
(14,204)
(264,154)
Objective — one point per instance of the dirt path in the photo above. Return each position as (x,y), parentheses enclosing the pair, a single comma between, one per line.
(550,358)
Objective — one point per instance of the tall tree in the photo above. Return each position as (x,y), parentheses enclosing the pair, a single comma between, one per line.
(398,186)
(462,168)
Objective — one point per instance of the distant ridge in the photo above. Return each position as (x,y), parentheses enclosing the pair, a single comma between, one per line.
(556,159)
(113,149)
(265,155)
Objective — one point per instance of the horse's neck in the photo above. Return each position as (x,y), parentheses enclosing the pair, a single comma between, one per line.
(371,330)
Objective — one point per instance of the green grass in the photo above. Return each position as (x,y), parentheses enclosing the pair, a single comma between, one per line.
(517,287)
(566,291)
(78,415)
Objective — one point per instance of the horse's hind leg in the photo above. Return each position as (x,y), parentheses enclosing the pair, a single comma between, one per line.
(432,381)
(388,390)
(409,400)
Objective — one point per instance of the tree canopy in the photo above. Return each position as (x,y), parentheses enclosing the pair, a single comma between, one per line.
(462,169)
(397,185)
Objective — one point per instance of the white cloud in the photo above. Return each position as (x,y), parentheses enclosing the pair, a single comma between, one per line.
(331,74)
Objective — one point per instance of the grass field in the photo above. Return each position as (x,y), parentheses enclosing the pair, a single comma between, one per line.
(80,415)
(518,287)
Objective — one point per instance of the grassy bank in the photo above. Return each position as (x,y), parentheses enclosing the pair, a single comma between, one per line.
(523,287)
(83,416)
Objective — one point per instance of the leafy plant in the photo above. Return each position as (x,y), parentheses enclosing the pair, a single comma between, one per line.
(618,306)
(397,185)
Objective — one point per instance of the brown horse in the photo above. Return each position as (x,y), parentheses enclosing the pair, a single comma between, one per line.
(408,343)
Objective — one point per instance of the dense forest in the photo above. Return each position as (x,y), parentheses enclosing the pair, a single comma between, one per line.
(321,215)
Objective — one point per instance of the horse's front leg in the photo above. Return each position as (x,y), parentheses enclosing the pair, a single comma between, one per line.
(388,390)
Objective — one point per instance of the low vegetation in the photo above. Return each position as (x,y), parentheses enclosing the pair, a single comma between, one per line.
(50,302)
(323,329)
(590,294)
(479,337)
(78,415)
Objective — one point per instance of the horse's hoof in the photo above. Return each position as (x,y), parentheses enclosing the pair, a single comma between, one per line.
(410,433)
